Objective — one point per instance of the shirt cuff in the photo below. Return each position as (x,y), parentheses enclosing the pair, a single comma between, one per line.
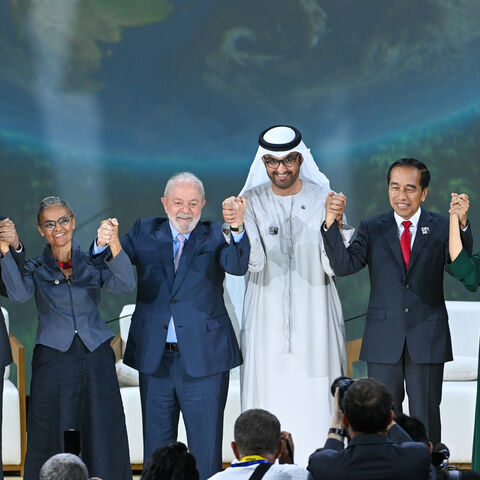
(467,226)
(237,236)
(96,249)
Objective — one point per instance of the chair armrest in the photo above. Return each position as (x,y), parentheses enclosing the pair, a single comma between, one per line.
(116,345)
(18,354)
(353,354)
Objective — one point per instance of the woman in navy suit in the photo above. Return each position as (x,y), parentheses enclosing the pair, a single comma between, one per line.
(74,385)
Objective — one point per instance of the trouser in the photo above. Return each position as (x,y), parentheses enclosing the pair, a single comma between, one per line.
(77,389)
(200,399)
(423,383)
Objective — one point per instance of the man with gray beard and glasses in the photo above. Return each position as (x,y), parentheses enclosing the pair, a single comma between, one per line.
(181,338)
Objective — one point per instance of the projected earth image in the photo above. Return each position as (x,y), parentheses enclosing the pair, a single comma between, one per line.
(196,81)
(102,100)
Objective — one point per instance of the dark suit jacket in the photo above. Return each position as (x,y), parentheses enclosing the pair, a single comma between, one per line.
(193,296)
(5,352)
(404,306)
(371,457)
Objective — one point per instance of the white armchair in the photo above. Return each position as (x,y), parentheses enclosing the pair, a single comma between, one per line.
(130,392)
(14,435)
(460,381)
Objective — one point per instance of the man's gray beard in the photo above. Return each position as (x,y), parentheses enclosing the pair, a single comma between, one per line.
(193,223)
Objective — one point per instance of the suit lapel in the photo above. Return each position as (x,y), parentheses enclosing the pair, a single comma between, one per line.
(390,233)
(189,251)
(425,227)
(165,246)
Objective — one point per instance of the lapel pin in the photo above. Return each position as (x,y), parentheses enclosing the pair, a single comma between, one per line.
(425,230)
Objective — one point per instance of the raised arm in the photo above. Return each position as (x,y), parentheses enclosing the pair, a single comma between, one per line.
(119,277)
(10,245)
(235,254)
(344,260)
(257,253)
(454,240)
(18,281)
(464,266)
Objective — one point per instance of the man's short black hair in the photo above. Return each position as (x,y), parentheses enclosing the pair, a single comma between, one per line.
(174,462)
(412,162)
(414,427)
(368,405)
(257,432)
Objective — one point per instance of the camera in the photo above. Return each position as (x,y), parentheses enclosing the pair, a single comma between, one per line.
(72,442)
(440,456)
(343,384)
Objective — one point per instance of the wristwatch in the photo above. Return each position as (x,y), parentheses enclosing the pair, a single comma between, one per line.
(238,229)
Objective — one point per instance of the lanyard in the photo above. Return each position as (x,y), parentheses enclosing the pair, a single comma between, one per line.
(250,460)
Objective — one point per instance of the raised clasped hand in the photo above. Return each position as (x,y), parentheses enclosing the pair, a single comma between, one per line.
(334,208)
(8,236)
(459,206)
(107,234)
(233,210)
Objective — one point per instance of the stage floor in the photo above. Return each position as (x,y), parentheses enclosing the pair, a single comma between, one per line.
(12,475)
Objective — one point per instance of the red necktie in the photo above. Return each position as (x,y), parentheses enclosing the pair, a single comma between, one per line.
(405,242)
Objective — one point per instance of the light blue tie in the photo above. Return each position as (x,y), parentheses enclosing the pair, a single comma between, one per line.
(181,241)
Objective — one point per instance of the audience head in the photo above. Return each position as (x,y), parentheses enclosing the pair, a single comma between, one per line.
(257,432)
(174,462)
(367,406)
(415,428)
(64,466)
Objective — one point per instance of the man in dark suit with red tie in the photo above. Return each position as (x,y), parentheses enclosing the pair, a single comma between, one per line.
(406,338)
(9,235)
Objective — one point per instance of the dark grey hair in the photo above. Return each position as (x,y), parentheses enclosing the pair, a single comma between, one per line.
(257,432)
(368,405)
(184,177)
(64,466)
(48,202)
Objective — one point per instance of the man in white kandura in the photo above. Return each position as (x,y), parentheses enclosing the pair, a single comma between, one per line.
(292,334)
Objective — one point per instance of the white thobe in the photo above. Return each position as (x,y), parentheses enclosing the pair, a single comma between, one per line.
(292,336)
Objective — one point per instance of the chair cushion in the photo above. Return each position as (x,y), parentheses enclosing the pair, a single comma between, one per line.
(7,368)
(127,376)
(11,424)
(462,369)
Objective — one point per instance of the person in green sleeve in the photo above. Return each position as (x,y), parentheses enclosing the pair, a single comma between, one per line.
(465,268)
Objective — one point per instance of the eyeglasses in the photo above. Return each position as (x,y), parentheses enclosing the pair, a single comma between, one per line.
(63,222)
(274,163)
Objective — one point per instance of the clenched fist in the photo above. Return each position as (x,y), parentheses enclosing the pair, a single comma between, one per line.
(233,210)
(107,234)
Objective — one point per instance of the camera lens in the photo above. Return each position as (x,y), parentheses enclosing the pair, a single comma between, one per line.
(343,384)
